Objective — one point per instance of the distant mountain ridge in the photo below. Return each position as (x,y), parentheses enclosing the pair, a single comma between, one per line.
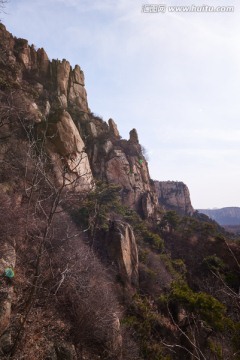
(224,216)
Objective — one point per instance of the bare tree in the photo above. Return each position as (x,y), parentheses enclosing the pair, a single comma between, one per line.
(60,266)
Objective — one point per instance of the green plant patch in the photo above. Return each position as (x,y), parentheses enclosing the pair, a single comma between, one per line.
(9,273)
(213,263)
(206,306)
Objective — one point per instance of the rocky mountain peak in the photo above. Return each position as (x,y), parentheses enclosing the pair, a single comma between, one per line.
(133,136)
(113,128)
(54,95)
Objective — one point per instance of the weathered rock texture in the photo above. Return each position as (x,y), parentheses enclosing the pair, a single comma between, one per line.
(122,250)
(64,141)
(173,195)
(122,162)
(77,140)
(65,82)
(44,90)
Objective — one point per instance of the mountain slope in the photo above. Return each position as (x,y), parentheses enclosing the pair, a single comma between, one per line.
(92,266)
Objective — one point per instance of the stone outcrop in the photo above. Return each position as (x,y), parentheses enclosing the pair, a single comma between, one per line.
(131,172)
(76,139)
(68,147)
(113,128)
(77,93)
(173,195)
(57,77)
(53,88)
(134,136)
(148,199)
(122,162)
(122,250)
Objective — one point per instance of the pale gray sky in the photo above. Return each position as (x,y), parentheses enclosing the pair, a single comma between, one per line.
(175,77)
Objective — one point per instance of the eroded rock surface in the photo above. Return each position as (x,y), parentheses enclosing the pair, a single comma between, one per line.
(173,195)
(85,144)
(113,128)
(63,137)
(122,250)
(43,101)
(122,162)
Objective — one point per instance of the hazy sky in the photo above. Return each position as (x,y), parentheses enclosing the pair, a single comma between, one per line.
(175,77)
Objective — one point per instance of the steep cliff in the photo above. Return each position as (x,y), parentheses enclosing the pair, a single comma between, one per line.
(52,152)
(122,162)
(41,91)
(53,95)
(173,195)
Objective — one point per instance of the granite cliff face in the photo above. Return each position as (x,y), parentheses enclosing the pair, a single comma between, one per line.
(121,162)
(43,91)
(173,195)
(53,95)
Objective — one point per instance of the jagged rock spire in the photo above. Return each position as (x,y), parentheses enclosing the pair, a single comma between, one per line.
(113,128)
(134,136)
